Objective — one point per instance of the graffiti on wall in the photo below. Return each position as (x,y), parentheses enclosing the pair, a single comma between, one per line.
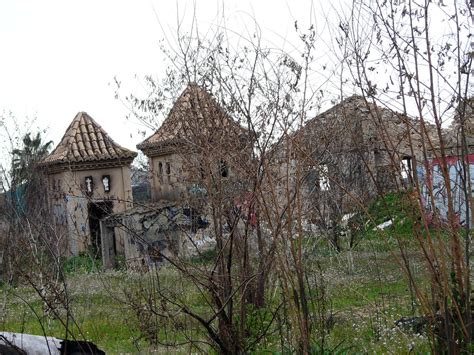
(457,182)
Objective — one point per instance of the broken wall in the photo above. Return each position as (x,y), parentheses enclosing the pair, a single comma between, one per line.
(155,234)
(354,149)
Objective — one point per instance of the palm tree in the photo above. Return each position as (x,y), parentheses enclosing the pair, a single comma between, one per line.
(24,160)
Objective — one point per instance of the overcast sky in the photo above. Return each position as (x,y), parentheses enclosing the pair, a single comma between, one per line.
(60,57)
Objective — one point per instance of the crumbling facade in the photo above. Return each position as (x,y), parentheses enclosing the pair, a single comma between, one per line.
(196,154)
(89,178)
(348,154)
(155,232)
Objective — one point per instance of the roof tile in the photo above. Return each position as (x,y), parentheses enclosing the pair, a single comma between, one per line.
(194,113)
(86,140)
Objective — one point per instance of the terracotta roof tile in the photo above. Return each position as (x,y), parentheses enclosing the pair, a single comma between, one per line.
(195,112)
(85,140)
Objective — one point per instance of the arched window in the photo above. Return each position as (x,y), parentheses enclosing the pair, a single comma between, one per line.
(160,171)
(168,170)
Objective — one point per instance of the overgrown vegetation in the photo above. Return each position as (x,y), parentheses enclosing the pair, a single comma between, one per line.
(304,265)
(363,303)
(82,263)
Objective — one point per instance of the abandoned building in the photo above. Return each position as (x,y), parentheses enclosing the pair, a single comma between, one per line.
(348,154)
(197,141)
(91,196)
(89,178)
(197,146)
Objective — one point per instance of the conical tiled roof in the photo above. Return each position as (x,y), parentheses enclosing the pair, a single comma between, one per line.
(86,141)
(195,113)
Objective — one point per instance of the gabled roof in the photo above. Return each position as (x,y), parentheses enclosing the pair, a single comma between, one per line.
(338,128)
(358,125)
(348,106)
(86,141)
(194,114)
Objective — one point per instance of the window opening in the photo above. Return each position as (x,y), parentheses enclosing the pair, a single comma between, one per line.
(168,170)
(323,177)
(224,169)
(160,170)
(405,168)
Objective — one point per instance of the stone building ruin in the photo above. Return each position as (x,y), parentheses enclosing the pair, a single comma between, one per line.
(196,140)
(197,147)
(349,154)
(89,178)
(352,149)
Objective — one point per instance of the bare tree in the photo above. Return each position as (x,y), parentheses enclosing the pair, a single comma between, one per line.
(399,59)
(231,176)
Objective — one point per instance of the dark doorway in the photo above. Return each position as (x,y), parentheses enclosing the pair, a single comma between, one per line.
(97,211)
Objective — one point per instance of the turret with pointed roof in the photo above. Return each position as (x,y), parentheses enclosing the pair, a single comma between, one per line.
(86,145)
(195,115)
(196,137)
(88,178)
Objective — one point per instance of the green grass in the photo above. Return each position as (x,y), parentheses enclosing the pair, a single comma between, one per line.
(82,263)
(99,317)
(366,297)
(365,304)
